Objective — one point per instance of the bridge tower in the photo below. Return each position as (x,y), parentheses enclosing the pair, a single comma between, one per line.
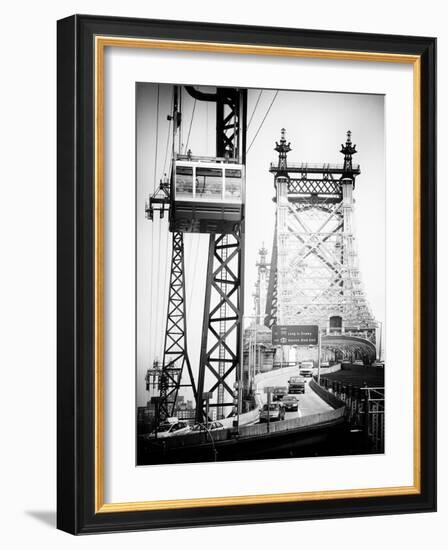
(261,286)
(314,275)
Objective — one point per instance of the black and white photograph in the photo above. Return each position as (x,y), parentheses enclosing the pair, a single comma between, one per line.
(260,291)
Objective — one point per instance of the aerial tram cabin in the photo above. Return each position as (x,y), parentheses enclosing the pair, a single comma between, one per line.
(207,194)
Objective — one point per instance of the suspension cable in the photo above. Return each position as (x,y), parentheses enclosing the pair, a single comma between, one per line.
(262,122)
(255,108)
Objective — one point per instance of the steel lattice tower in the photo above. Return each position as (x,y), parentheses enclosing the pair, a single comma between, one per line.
(169,377)
(175,353)
(314,275)
(220,361)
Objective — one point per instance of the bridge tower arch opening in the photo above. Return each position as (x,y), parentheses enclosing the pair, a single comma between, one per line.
(335,324)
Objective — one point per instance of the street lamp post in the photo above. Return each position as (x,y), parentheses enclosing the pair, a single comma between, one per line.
(319,351)
(207,396)
(380,340)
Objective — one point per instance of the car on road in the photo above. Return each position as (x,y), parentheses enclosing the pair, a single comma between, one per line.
(358,363)
(296,384)
(378,364)
(279,393)
(291,403)
(169,429)
(212,426)
(271,412)
(324,364)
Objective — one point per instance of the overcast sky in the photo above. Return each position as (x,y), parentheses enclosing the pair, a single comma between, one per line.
(316,124)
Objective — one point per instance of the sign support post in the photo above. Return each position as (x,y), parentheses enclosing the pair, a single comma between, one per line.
(269,411)
(319,350)
(268,390)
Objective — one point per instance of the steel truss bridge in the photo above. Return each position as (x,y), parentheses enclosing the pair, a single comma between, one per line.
(314,276)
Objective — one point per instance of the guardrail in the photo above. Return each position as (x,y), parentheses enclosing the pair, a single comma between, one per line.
(245,418)
(293,423)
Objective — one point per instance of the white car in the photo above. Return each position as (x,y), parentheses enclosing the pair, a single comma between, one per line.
(169,429)
(306,368)
(358,363)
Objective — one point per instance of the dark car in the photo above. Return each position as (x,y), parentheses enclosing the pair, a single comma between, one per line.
(291,403)
(279,393)
(296,384)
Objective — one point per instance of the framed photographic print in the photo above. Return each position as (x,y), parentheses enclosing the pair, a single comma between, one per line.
(246,274)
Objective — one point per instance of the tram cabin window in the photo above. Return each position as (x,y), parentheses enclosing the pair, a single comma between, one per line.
(233,184)
(184,182)
(209,183)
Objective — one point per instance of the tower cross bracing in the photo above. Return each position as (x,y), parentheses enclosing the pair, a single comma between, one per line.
(315,267)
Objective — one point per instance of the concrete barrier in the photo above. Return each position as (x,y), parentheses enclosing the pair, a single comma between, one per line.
(329,370)
(327,396)
(256,430)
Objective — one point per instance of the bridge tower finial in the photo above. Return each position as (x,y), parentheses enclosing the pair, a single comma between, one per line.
(262,252)
(348,150)
(282,149)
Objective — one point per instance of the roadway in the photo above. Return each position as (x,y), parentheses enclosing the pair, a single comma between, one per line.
(309,402)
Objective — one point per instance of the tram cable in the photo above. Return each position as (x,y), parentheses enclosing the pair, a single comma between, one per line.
(152,325)
(195,263)
(159,278)
(189,129)
(262,122)
(157,136)
(166,283)
(168,136)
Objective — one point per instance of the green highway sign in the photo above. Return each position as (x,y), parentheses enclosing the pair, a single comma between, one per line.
(295,335)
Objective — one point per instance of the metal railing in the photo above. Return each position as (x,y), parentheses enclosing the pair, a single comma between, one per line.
(314,167)
(364,408)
